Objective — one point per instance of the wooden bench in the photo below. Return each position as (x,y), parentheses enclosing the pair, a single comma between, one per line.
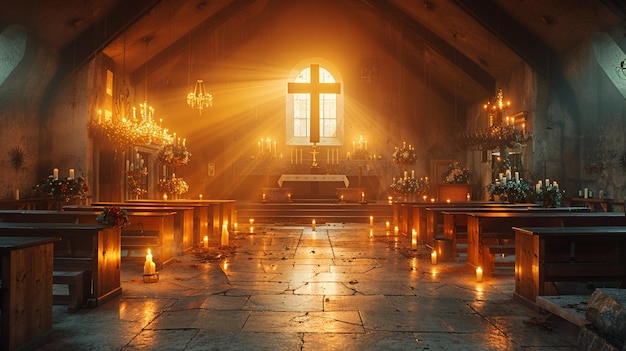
(76,282)
(82,247)
(547,255)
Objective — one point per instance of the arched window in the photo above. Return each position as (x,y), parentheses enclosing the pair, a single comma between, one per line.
(299,108)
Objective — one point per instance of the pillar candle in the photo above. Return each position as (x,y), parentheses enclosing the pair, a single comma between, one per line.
(387,224)
(414,239)
(479,274)
(55,173)
(71,173)
(371,220)
(396,230)
(225,234)
(313,225)
(205,241)
(17,194)
(149,266)
(433,257)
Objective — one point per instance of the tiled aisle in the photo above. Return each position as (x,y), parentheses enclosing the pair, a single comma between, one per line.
(342,287)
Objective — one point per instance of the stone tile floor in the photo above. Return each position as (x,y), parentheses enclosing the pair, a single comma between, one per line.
(342,287)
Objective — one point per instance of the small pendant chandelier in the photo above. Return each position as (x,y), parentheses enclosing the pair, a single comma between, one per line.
(200,98)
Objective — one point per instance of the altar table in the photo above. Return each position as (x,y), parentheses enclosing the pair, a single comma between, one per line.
(313,178)
(314,181)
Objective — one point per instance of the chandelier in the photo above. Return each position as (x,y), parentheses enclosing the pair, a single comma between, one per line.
(504,130)
(200,98)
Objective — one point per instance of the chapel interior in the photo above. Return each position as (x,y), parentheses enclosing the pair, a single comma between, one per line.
(370,109)
(418,72)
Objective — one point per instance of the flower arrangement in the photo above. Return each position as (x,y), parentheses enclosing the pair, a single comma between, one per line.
(174,186)
(410,186)
(174,155)
(113,217)
(61,189)
(550,196)
(404,155)
(513,190)
(456,174)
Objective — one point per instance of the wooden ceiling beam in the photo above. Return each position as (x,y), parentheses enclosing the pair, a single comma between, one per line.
(429,38)
(518,38)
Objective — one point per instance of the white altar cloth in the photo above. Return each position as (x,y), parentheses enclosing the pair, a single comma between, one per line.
(313,178)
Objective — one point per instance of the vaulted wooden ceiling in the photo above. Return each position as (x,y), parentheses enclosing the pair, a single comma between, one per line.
(467,44)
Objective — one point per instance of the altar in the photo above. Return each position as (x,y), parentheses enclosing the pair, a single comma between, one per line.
(311,183)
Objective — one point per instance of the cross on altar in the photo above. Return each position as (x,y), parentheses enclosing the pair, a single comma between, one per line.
(314,89)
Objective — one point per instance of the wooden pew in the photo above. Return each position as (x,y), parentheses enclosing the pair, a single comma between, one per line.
(408,215)
(455,218)
(152,229)
(495,229)
(546,255)
(26,299)
(82,247)
(429,218)
(218,213)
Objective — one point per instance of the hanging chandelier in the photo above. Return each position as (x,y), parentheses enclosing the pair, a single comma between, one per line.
(504,130)
(200,98)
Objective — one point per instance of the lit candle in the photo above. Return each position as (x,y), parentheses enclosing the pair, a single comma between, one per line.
(387,224)
(396,230)
(205,241)
(432,199)
(165,197)
(363,197)
(71,173)
(200,196)
(390,199)
(469,197)
(424,197)
(433,257)
(251,225)
(235,226)
(371,220)
(479,274)
(414,239)
(313,225)
(55,173)
(263,196)
(225,234)
(371,233)
(341,197)
(17,194)
(149,267)
(448,200)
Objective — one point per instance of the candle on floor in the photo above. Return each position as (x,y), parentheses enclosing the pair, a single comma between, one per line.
(149,266)
(396,230)
(414,239)
(479,274)
(313,225)
(205,241)
(433,257)
(371,220)
(225,234)
(251,225)
(371,233)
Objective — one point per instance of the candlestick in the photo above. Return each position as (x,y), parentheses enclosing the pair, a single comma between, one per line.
(479,274)
(433,257)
